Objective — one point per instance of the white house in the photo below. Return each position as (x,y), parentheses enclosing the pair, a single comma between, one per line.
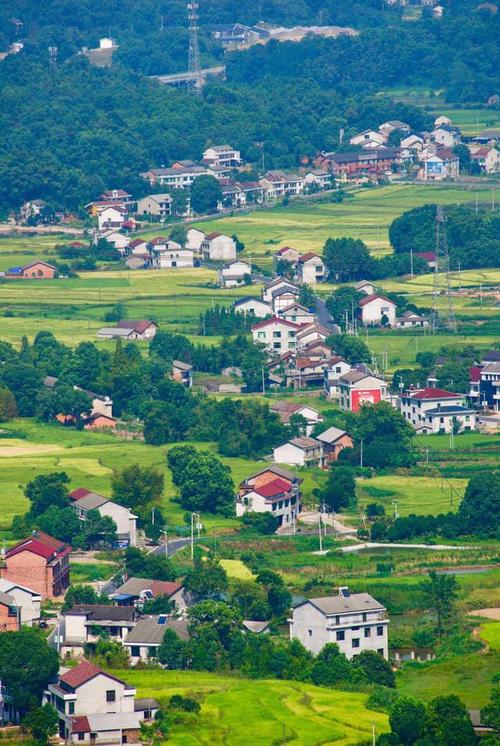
(297,313)
(375,307)
(446,135)
(301,451)
(156,205)
(433,410)
(222,155)
(355,622)
(172,256)
(442,164)
(442,120)
(259,308)
(136,591)
(194,240)
(319,177)
(112,216)
(84,500)
(410,319)
(26,600)
(368,137)
(415,142)
(180,176)
(357,388)
(394,124)
(333,371)
(87,622)
(277,496)
(277,335)
(234,273)
(366,287)
(283,297)
(310,269)
(217,247)
(312,333)
(285,410)
(278,284)
(488,159)
(144,640)
(107,43)
(119,240)
(288,253)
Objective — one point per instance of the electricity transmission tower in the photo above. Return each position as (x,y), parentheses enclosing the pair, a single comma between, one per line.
(442,283)
(52,59)
(194,49)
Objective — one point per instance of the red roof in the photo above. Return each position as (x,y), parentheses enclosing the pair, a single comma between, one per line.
(154,241)
(78,493)
(432,393)
(275,320)
(41,544)
(271,489)
(137,242)
(475,373)
(80,724)
(370,298)
(213,235)
(309,255)
(77,245)
(429,256)
(165,587)
(284,249)
(139,326)
(82,673)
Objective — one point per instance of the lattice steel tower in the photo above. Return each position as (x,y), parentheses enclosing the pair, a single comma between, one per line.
(442,280)
(194,49)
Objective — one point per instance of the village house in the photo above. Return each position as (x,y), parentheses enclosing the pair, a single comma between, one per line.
(334,440)
(138,247)
(410,319)
(277,335)
(39,562)
(310,269)
(252,305)
(370,138)
(222,155)
(414,142)
(99,421)
(443,164)
(86,623)
(427,256)
(31,209)
(37,270)
(271,490)
(95,707)
(358,388)
(374,308)
(178,177)
(277,283)
(446,135)
(119,240)
(394,124)
(143,641)
(301,451)
(194,240)
(288,253)
(317,350)
(26,600)
(137,591)
(84,500)
(111,216)
(278,184)
(234,274)
(302,372)
(485,384)
(171,255)
(311,333)
(142,328)
(488,159)
(442,120)
(9,613)
(297,313)
(333,371)
(319,178)
(369,163)
(285,410)
(116,196)
(216,247)
(182,373)
(366,287)
(283,296)
(355,622)
(433,410)
(155,205)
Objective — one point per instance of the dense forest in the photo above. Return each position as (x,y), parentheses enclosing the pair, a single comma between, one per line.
(70,132)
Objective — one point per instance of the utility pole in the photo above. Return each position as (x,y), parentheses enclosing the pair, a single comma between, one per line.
(194,65)
(263,382)
(452,437)
(193,516)
(164,531)
(395,506)
(153,515)
(411,263)
(319,532)
(361,453)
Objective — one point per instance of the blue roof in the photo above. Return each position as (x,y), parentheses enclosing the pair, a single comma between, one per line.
(15,270)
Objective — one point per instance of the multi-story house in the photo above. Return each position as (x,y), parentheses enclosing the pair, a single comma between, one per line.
(155,205)
(144,640)
(301,451)
(485,382)
(319,178)
(222,155)
(355,622)
(310,269)
(217,247)
(26,600)
(112,216)
(311,333)
(251,305)
(278,283)
(433,410)
(333,371)
(182,373)
(278,184)
(39,562)
(334,440)
(9,613)
(277,335)
(95,707)
(171,255)
(488,159)
(357,388)
(285,410)
(370,162)
(180,176)
(136,591)
(87,623)
(288,253)
(234,274)
(84,500)
(369,138)
(375,309)
(446,135)
(297,313)
(272,489)
(439,165)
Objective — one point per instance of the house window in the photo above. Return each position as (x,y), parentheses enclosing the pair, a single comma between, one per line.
(261,335)
(355,629)
(310,632)
(81,736)
(341,635)
(135,651)
(368,632)
(277,335)
(71,708)
(364,616)
(380,631)
(355,642)
(110,695)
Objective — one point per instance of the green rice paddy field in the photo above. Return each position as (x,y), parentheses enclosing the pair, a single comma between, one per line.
(240,711)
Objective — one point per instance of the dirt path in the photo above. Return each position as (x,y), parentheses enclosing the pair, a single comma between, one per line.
(492,613)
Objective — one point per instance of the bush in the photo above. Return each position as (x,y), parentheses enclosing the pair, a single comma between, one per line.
(261,523)
(187,704)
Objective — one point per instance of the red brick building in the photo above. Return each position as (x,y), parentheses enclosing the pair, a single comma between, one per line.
(368,162)
(37,270)
(39,562)
(9,613)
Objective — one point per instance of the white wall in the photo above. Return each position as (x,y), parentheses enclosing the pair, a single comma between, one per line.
(91,697)
(289,454)
(259,308)
(372,312)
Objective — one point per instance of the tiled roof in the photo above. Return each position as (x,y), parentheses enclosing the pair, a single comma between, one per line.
(371,298)
(79,492)
(331,435)
(275,320)
(304,442)
(138,326)
(342,605)
(308,256)
(77,676)
(135,586)
(150,630)
(80,724)
(432,393)
(271,489)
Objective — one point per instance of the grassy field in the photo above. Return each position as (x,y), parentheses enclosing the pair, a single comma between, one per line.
(469,676)
(367,215)
(420,495)
(90,460)
(240,711)
(490,631)
(21,250)
(237,569)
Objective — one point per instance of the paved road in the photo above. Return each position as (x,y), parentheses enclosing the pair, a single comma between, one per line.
(324,316)
(174,545)
(373,545)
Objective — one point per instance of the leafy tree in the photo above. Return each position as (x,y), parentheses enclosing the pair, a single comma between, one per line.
(252,368)
(137,487)
(24,380)
(47,490)
(178,458)
(83,594)
(42,723)
(448,723)
(8,407)
(107,653)
(375,668)
(261,523)
(340,489)
(63,523)
(250,598)
(172,652)
(407,720)
(84,367)
(65,400)
(99,530)
(27,664)
(387,436)
(307,296)
(490,714)
(440,593)
(177,702)
(279,597)
(144,565)
(480,508)
(330,667)
(346,258)
(158,605)
(206,579)
(207,485)
(206,193)
(463,153)
(344,299)
(297,425)
(217,617)
(352,349)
